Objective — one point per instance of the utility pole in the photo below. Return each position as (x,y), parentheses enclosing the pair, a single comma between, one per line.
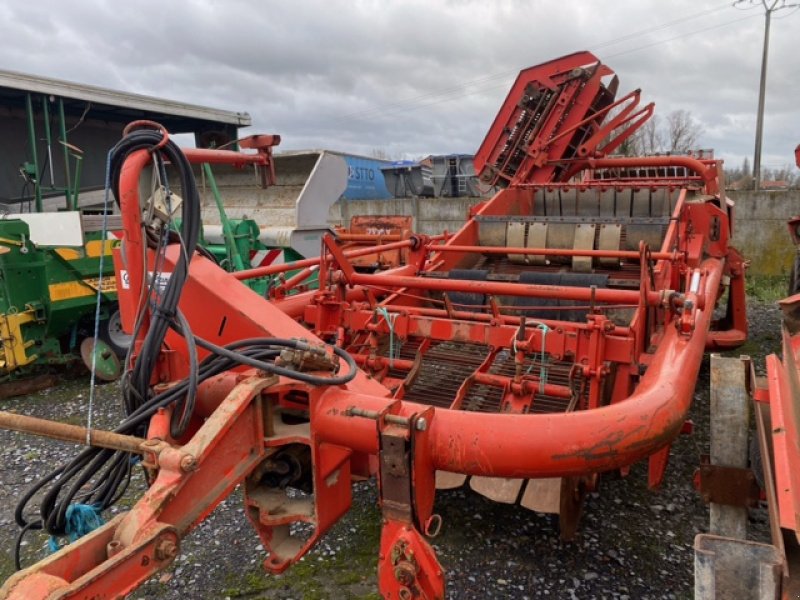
(770,6)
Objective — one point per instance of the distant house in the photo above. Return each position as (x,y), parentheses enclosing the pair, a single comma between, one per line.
(780,184)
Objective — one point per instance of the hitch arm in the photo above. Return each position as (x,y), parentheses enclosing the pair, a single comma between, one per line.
(192,480)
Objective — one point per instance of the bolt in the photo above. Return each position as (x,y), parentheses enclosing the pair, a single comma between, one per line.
(166,550)
(422,424)
(404,574)
(113,548)
(188,463)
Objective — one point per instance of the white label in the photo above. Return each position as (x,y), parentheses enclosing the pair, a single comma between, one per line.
(162,279)
(160,284)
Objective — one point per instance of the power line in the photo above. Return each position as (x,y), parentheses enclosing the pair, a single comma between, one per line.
(683,35)
(770,7)
(400,107)
(462,87)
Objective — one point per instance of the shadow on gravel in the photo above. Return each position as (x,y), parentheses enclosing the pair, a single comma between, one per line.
(633,543)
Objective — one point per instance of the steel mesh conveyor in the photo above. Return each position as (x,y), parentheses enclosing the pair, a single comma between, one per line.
(445,366)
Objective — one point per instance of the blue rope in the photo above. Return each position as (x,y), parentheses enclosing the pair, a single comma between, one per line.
(99,299)
(543,367)
(81,519)
(389,318)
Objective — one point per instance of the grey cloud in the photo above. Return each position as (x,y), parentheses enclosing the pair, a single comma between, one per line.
(409,77)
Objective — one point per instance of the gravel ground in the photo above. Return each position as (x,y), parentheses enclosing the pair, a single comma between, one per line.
(633,543)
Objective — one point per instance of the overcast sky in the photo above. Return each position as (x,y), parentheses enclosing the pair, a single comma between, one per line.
(415,77)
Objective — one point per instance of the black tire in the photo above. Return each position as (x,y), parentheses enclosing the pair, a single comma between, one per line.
(757,461)
(112,334)
(794,275)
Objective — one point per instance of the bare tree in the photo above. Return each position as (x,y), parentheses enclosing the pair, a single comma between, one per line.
(648,139)
(682,131)
(784,173)
(380,153)
(678,133)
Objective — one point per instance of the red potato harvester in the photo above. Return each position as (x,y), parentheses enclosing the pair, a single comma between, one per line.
(556,336)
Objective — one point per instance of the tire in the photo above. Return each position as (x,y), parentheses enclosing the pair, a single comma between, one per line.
(794,275)
(111,333)
(757,461)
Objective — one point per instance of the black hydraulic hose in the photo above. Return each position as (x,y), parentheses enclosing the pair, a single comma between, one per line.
(99,477)
(278,370)
(253,352)
(165,309)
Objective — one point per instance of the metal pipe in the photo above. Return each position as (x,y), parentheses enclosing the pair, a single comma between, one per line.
(762,88)
(532,385)
(227,232)
(76,184)
(463,315)
(365,237)
(297,279)
(705,171)
(310,262)
(694,284)
(49,139)
(552,444)
(37,188)
(134,246)
(71,433)
(222,157)
(294,306)
(623,254)
(62,123)
(501,288)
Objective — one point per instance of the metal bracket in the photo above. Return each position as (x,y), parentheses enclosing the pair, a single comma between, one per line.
(732,486)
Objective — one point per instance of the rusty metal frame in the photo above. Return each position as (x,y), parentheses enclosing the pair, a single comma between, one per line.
(638,376)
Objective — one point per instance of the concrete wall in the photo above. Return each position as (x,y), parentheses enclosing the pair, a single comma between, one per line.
(760,231)
(760,225)
(431,215)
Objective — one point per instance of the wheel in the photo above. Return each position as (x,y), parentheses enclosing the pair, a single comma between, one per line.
(100,356)
(111,333)
(794,275)
(757,461)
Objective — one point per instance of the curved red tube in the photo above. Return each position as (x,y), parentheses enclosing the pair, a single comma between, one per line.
(548,445)
(705,171)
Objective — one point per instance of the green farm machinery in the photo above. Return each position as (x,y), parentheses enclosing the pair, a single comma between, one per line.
(49,280)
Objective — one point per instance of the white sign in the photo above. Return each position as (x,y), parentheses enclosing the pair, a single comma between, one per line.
(162,279)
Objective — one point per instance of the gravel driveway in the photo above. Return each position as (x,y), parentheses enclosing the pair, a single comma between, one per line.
(633,543)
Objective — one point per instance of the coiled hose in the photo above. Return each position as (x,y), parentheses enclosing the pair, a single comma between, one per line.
(108,472)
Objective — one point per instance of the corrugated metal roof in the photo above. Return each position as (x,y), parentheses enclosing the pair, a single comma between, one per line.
(97,95)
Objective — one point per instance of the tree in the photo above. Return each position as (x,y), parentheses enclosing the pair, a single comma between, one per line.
(682,131)
(678,133)
(648,139)
(380,154)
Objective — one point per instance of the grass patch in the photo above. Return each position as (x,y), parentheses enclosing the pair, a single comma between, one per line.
(7,568)
(343,575)
(767,288)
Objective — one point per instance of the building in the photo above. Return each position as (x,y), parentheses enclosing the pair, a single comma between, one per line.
(56,134)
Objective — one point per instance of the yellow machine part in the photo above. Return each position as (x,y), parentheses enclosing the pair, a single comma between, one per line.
(68,290)
(14,354)
(91,249)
